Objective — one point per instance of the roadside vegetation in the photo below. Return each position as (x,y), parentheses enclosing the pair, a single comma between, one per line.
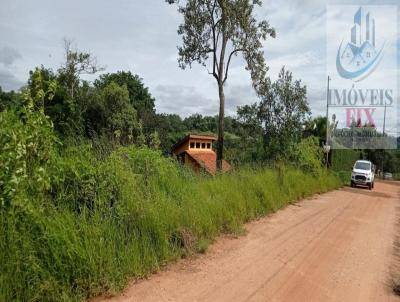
(90,197)
(77,222)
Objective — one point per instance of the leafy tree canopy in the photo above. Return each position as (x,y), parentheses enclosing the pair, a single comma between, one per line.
(110,112)
(139,95)
(283,111)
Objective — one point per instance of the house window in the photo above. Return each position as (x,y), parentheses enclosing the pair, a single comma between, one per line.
(198,145)
(192,145)
(203,145)
(208,146)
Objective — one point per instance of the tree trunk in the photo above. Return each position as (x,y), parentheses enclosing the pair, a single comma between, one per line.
(220,142)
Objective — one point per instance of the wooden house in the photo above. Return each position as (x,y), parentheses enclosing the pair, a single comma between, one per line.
(197,152)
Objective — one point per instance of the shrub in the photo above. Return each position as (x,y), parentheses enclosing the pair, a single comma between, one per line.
(308,155)
(27,149)
(91,223)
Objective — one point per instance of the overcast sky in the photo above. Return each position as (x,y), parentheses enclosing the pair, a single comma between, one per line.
(141,36)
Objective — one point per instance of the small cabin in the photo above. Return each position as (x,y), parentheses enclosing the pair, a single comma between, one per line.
(197,152)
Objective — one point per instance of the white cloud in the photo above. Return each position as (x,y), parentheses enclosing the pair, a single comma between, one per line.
(8,56)
(185,100)
(141,36)
(8,81)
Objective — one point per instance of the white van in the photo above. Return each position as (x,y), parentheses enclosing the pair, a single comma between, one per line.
(363,174)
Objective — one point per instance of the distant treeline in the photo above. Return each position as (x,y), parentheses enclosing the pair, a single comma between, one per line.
(117,109)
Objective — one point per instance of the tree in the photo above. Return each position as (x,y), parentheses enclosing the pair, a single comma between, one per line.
(76,64)
(69,103)
(198,123)
(42,87)
(139,96)
(171,129)
(248,126)
(283,112)
(247,117)
(221,29)
(64,112)
(9,99)
(316,127)
(110,113)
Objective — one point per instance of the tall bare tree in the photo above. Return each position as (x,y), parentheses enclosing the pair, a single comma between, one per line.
(213,32)
(76,64)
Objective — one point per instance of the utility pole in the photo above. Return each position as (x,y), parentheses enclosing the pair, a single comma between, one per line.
(383,136)
(384,121)
(327,147)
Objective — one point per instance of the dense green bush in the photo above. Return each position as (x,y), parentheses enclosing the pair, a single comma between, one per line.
(308,155)
(27,149)
(74,224)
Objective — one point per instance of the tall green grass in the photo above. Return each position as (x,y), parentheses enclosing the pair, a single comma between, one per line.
(102,222)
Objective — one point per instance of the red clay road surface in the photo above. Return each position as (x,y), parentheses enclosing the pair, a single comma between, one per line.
(334,247)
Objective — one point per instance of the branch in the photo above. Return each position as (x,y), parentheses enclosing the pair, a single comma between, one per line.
(214,74)
(213,9)
(229,61)
(215,45)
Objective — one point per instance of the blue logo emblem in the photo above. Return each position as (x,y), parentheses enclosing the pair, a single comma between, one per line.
(360,57)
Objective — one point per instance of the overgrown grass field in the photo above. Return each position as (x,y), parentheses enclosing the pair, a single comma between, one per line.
(103,220)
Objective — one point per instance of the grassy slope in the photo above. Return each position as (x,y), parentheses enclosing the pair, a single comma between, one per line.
(104,222)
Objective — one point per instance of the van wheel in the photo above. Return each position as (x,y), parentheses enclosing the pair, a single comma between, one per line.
(373,184)
(352,184)
(370,186)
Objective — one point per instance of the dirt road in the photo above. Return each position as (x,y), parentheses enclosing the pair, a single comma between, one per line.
(334,247)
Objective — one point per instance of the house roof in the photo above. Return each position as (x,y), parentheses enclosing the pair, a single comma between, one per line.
(193,136)
(207,160)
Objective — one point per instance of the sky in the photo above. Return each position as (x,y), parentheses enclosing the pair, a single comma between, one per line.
(141,36)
